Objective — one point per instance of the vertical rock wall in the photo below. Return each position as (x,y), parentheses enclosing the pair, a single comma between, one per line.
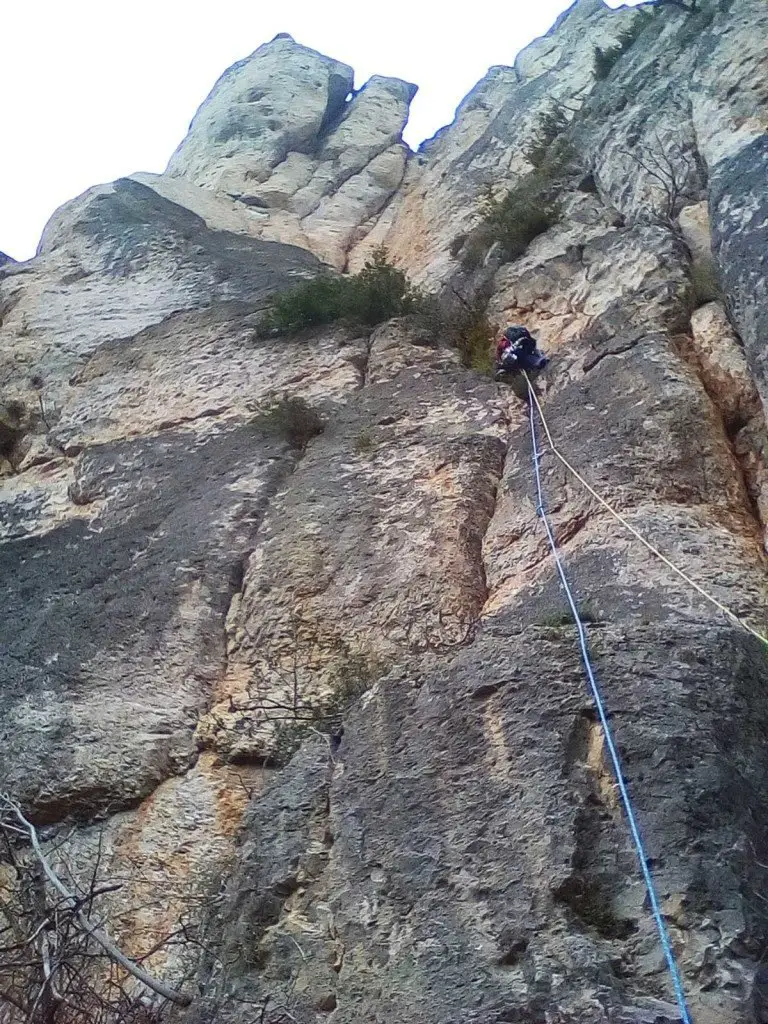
(181,582)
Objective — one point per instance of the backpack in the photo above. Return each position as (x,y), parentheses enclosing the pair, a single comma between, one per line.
(521,339)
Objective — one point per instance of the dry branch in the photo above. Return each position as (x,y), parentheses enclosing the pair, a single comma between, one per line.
(89,929)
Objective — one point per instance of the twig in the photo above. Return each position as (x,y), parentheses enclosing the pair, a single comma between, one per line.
(90,929)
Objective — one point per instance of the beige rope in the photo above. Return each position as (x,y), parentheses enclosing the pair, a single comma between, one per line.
(628,526)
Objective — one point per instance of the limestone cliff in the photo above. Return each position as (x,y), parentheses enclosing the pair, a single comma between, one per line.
(180,577)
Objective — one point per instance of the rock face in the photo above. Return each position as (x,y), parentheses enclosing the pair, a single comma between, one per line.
(300,674)
(282,133)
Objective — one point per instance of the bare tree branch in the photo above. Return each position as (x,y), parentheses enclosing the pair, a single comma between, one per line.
(91,930)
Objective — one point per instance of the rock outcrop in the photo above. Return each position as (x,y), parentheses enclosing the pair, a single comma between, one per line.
(193,582)
(283,134)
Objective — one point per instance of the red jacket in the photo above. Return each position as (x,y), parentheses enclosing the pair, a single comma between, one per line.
(501,347)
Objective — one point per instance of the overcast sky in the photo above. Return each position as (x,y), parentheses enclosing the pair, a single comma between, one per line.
(94,89)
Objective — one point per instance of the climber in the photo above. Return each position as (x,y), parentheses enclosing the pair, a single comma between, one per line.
(516,350)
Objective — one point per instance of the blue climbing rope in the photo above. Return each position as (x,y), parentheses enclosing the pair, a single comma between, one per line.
(598,699)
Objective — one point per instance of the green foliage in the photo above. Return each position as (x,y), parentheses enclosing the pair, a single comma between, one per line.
(293,419)
(527,210)
(378,292)
(705,284)
(686,5)
(606,58)
(353,676)
(552,123)
(521,215)
(476,247)
(463,325)
(692,27)
(364,443)
(557,620)
(514,218)
(457,244)
(15,420)
(474,343)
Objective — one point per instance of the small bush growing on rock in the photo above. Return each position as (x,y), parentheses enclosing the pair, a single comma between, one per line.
(670,175)
(560,619)
(353,676)
(686,5)
(551,125)
(474,343)
(463,325)
(606,58)
(457,244)
(364,443)
(475,248)
(522,213)
(378,292)
(293,419)
(519,216)
(705,285)
(692,27)
(14,425)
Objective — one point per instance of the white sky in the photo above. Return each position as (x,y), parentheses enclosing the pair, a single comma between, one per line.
(96,89)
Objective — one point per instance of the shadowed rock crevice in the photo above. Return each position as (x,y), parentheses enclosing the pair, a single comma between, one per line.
(601,858)
(714,352)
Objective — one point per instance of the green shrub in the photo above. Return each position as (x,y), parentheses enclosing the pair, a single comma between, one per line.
(476,247)
(457,244)
(364,443)
(474,343)
(526,210)
(691,28)
(15,422)
(518,217)
(468,330)
(560,619)
(293,419)
(552,123)
(352,677)
(705,284)
(523,213)
(378,292)
(463,325)
(605,59)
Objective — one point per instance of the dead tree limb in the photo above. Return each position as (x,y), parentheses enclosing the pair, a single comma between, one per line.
(90,929)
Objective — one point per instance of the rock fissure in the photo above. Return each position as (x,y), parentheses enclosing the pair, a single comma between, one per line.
(714,352)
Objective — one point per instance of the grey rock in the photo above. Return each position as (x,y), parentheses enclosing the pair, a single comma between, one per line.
(187,599)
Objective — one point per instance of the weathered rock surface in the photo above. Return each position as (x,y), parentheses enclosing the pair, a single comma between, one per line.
(193,603)
(279,132)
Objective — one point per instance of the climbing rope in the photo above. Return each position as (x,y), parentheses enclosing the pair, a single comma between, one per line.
(599,705)
(533,398)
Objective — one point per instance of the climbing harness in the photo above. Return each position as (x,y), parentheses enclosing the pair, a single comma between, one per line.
(599,705)
(533,399)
